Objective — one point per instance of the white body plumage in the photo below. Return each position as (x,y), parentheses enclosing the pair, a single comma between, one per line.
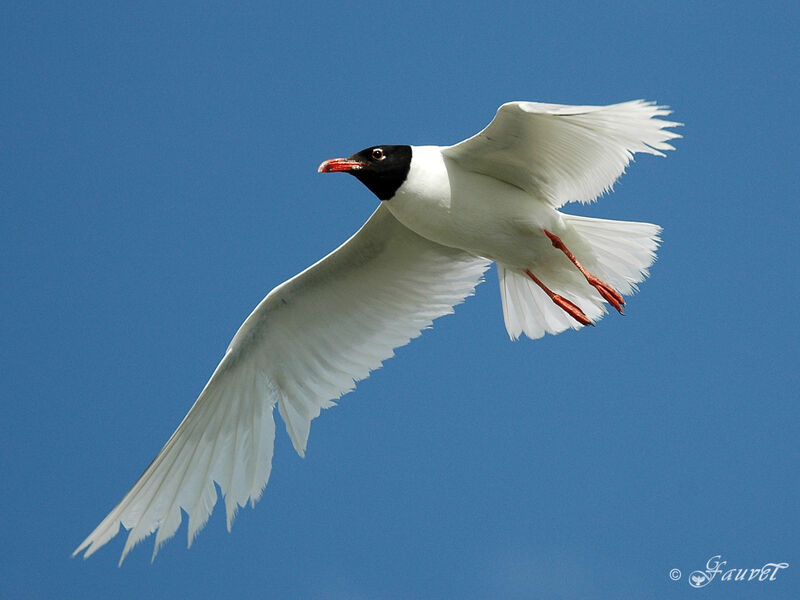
(455,207)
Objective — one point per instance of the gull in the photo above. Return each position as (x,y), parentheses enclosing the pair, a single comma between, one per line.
(445,214)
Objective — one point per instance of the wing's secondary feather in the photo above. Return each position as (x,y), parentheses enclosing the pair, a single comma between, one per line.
(304,345)
(563,153)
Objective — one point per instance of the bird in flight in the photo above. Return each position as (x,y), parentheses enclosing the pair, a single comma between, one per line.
(445,214)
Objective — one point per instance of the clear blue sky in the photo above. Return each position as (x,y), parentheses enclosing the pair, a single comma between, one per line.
(158,177)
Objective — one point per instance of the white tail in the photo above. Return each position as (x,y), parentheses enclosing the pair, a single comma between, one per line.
(618,252)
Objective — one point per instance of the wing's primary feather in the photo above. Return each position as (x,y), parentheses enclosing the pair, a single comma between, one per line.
(563,153)
(304,345)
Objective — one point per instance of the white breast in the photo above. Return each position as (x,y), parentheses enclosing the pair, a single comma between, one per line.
(458,208)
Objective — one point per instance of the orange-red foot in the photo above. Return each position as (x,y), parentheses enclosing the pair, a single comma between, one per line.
(612,296)
(569,307)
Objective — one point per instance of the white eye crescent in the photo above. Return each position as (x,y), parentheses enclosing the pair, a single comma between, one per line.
(378,154)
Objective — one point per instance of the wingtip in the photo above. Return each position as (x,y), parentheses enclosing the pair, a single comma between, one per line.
(85,546)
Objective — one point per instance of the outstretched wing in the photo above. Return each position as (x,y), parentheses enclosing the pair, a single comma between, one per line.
(563,153)
(304,345)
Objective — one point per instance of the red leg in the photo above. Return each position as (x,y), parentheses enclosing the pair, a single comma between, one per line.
(612,296)
(571,309)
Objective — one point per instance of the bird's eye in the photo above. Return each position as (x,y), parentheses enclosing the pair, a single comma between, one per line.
(378,154)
